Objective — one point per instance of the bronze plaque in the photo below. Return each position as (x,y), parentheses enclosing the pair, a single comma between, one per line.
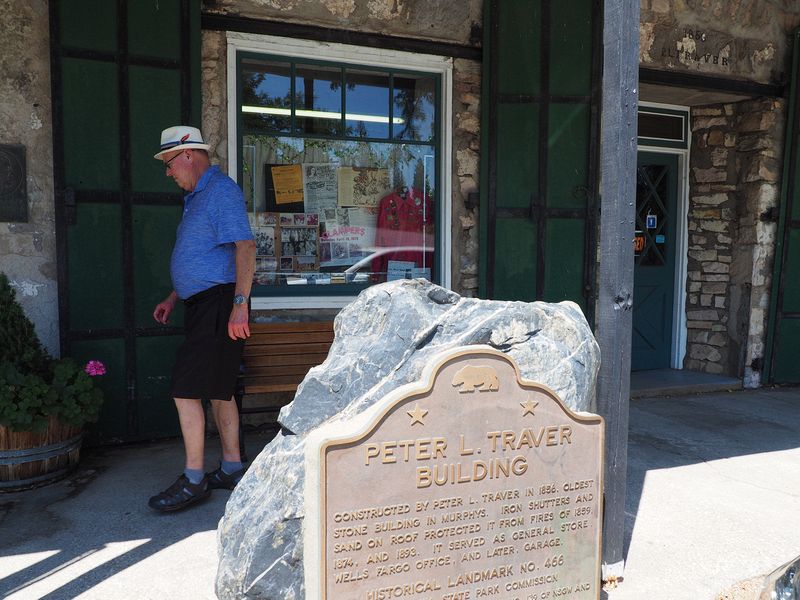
(474,484)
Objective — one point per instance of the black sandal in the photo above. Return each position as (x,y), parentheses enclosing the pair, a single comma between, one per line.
(180,494)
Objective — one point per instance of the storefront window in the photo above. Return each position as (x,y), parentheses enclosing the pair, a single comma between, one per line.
(339,169)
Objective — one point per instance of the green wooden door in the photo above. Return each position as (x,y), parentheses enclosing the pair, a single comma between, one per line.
(122,71)
(782,355)
(654,268)
(539,159)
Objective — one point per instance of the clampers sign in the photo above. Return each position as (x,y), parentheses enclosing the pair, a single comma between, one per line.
(471,484)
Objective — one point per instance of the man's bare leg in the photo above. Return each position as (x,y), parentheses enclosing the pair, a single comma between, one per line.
(192,486)
(226,415)
(193,428)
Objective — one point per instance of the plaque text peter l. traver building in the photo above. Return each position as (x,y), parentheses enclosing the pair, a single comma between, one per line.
(473,484)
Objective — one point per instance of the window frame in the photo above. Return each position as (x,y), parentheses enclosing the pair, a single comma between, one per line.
(306,50)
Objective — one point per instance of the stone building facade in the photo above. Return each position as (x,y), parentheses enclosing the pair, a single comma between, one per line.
(735,157)
(726,63)
(28,250)
(735,177)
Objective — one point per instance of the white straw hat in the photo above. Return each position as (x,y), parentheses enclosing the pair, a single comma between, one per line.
(181,137)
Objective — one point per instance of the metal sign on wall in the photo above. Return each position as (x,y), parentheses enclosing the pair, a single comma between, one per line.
(472,483)
(13,188)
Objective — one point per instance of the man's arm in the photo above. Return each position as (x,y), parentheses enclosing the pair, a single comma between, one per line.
(238,324)
(164,308)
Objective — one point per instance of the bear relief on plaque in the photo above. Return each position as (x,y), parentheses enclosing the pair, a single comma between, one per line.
(470,483)
(476,377)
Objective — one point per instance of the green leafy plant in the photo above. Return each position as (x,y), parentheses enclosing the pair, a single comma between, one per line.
(33,386)
(23,399)
(73,397)
(19,344)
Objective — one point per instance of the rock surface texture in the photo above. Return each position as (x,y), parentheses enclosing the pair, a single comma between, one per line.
(384,339)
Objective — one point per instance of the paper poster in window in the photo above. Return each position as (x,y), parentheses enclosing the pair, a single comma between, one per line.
(288,182)
(301,241)
(362,186)
(319,186)
(287,264)
(266,218)
(265,240)
(346,235)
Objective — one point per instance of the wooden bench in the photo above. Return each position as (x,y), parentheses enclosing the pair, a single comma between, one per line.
(277,357)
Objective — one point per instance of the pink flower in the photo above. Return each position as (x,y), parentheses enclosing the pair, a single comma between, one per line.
(94,368)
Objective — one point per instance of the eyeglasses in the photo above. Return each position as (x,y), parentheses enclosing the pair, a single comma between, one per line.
(167,162)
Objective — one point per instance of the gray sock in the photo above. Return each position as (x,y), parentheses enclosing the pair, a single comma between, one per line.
(229,467)
(194,476)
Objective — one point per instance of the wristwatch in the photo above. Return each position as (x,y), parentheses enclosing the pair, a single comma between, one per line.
(238,299)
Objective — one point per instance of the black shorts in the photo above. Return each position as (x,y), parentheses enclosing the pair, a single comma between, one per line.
(207,362)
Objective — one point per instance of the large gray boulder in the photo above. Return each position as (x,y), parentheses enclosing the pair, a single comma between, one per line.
(384,339)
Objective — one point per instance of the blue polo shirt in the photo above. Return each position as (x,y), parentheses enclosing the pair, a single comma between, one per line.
(214,217)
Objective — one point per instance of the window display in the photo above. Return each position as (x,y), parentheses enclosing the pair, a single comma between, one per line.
(339,172)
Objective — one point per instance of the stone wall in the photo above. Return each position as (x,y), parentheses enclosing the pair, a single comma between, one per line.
(448,21)
(725,38)
(28,250)
(466,161)
(735,171)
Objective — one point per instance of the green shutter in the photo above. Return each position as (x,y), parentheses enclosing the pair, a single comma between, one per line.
(538,171)
(122,72)
(783,339)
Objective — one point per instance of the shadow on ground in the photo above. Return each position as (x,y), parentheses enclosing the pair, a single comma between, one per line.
(95,524)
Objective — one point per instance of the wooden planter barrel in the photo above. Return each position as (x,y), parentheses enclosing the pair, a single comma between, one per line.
(29,459)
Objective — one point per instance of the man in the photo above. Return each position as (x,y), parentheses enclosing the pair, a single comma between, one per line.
(212,272)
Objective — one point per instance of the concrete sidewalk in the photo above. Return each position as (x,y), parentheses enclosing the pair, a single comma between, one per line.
(92,536)
(713,499)
(713,494)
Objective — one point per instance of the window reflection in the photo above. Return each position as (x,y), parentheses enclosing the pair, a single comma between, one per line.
(338,171)
(266,95)
(367,101)
(318,92)
(414,104)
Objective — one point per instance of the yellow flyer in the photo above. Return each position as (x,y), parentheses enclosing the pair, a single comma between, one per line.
(288,182)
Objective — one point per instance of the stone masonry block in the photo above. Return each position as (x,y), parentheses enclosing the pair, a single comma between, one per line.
(713,287)
(715,277)
(704,352)
(712,200)
(715,226)
(709,122)
(715,138)
(757,122)
(706,213)
(719,157)
(717,339)
(703,255)
(702,315)
(712,174)
(716,267)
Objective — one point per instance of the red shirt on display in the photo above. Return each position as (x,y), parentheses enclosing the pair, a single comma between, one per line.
(404,220)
